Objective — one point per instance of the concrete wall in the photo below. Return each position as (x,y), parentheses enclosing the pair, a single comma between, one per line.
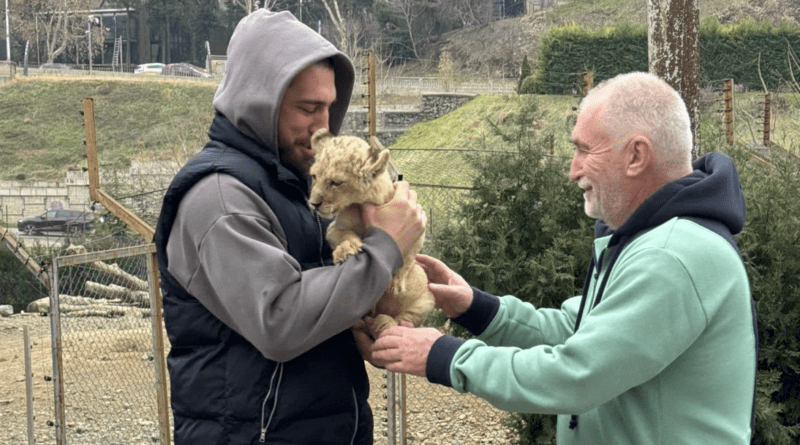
(7,71)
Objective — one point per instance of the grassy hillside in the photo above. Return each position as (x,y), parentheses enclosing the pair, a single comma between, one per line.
(42,133)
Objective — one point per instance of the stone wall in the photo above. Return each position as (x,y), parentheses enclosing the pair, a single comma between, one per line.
(139,188)
(394,122)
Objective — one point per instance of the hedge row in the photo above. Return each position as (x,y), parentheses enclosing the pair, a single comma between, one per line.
(726,51)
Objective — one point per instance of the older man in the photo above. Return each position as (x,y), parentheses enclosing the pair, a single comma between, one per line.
(661,346)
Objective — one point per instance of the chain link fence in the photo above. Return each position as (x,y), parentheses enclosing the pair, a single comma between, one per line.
(107,339)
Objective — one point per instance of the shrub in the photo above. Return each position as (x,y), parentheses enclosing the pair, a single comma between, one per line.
(522,231)
(19,286)
(526,71)
(770,246)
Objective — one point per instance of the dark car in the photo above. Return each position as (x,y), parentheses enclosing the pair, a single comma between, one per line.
(67,220)
(184,70)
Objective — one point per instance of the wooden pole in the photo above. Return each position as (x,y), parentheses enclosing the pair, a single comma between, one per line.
(728,90)
(766,119)
(157,318)
(588,82)
(96,194)
(91,149)
(372,100)
(28,383)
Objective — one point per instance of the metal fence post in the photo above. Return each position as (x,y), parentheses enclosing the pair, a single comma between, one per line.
(58,380)
(28,384)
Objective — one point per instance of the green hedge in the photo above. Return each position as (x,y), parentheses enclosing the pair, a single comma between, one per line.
(726,51)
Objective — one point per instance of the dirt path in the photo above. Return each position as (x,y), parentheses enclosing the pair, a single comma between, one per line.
(110,395)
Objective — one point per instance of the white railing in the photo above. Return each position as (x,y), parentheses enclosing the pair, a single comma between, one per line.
(405,86)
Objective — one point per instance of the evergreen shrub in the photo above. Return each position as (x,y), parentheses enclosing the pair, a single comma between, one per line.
(770,245)
(521,231)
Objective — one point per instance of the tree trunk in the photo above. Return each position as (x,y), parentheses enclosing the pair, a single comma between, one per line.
(673,50)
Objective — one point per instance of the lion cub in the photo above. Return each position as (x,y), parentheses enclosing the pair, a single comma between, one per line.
(347,172)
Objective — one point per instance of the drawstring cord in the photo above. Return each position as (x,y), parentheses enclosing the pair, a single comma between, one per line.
(573,421)
(279,371)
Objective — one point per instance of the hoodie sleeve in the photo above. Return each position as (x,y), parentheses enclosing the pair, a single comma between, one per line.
(231,260)
(620,344)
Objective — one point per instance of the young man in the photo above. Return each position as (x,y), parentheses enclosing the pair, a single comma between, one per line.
(257,317)
(660,348)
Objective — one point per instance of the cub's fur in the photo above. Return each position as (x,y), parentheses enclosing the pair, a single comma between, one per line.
(347,172)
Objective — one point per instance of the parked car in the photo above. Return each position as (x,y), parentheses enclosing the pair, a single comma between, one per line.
(66,220)
(55,66)
(184,69)
(148,68)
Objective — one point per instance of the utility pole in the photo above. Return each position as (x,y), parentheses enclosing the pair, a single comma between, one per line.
(8,36)
(90,43)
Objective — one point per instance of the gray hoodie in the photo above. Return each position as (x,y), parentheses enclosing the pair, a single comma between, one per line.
(262,60)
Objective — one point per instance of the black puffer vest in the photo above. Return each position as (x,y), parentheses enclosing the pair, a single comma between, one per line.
(223,390)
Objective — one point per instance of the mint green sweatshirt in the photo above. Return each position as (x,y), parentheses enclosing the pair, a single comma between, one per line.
(666,357)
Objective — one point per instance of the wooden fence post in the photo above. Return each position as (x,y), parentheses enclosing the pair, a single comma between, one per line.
(728,89)
(766,120)
(588,82)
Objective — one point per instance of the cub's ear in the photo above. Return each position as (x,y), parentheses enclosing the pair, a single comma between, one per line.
(375,164)
(319,139)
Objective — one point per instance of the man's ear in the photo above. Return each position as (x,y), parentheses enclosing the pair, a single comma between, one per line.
(639,156)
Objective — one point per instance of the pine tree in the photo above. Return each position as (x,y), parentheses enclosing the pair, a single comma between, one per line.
(526,71)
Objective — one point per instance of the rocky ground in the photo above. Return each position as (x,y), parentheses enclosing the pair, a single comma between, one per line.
(110,395)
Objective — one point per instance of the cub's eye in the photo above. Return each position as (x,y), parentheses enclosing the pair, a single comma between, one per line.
(333,183)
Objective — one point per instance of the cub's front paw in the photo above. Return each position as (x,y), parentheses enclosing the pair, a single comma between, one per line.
(346,250)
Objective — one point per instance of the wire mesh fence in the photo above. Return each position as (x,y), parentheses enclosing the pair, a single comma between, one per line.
(108,353)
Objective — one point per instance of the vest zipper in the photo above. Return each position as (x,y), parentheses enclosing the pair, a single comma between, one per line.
(279,371)
(321,238)
(355,402)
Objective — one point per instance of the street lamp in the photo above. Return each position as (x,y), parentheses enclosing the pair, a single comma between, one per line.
(93,21)
(8,37)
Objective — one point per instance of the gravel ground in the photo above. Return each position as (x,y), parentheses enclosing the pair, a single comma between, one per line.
(110,395)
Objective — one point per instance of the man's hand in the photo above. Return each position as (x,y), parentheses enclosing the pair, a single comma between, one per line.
(402,218)
(452,293)
(404,349)
(364,340)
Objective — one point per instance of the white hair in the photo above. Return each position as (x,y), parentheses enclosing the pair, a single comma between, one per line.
(642,103)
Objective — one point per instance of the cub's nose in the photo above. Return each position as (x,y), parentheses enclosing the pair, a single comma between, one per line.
(314,205)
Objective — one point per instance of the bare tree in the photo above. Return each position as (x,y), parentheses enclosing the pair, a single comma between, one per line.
(56,23)
(347,31)
(466,12)
(409,10)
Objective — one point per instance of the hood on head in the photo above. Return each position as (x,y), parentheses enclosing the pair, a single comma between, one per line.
(267,49)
